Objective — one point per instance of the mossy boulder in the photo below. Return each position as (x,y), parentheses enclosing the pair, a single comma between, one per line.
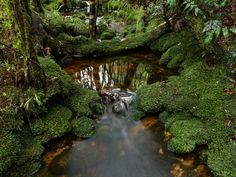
(137,114)
(197,111)
(177,48)
(170,39)
(68,44)
(147,102)
(84,127)
(186,134)
(74,25)
(221,159)
(107,35)
(54,124)
(10,148)
(59,82)
(28,161)
(85,102)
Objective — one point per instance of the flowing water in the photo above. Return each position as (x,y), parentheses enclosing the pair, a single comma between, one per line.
(122,147)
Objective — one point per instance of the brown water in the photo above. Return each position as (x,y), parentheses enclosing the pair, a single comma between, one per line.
(122,147)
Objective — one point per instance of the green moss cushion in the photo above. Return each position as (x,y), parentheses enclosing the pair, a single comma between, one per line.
(54,124)
(84,127)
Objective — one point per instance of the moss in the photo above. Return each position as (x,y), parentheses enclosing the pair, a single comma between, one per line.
(170,39)
(54,124)
(175,51)
(97,108)
(107,35)
(186,134)
(10,148)
(13,98)
(197,111)
(58,80)
(75,25)
(84,127)
(221,159)
(28,160)
(27,169)
(137,115)
(180,50)
(197,25)
(72,45)
(146,102)
(85,102)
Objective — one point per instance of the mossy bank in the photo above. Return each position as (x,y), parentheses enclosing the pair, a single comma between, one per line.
(195,106)
(31,117)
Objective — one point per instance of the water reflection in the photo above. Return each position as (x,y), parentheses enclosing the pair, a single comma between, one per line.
(117,72)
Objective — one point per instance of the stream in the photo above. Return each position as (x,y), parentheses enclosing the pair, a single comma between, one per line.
(122,147)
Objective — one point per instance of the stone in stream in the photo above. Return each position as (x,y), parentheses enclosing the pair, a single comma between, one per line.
(120,101)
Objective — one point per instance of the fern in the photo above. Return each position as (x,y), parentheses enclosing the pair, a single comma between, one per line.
(233,30)
(190,6)
(213,29)
(212,25)
(171,3)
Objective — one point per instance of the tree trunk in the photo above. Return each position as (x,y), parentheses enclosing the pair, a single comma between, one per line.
(92,19)
(33,74)
(145,8)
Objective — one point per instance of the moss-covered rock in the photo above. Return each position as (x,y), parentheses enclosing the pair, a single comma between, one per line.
(10,147)
(53,125)
(137,115)
(186,134)
(221,158)
(107,35)
(198,111)
(59,82)
(177,48)
(148,103)
(84,127)
(67,44)
(74,25)
(170,39)
(85,102)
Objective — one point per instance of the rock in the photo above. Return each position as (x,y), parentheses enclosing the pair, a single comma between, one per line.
(84,127)
(118,27)
(107,35)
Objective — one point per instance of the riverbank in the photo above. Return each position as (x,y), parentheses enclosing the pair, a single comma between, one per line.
(51,113)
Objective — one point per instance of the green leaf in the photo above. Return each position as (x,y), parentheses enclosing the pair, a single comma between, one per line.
(225,32)
(223,3)
(217,32)
(197,11)
(171,3)
(233,30)
(187,6)
(209,37)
